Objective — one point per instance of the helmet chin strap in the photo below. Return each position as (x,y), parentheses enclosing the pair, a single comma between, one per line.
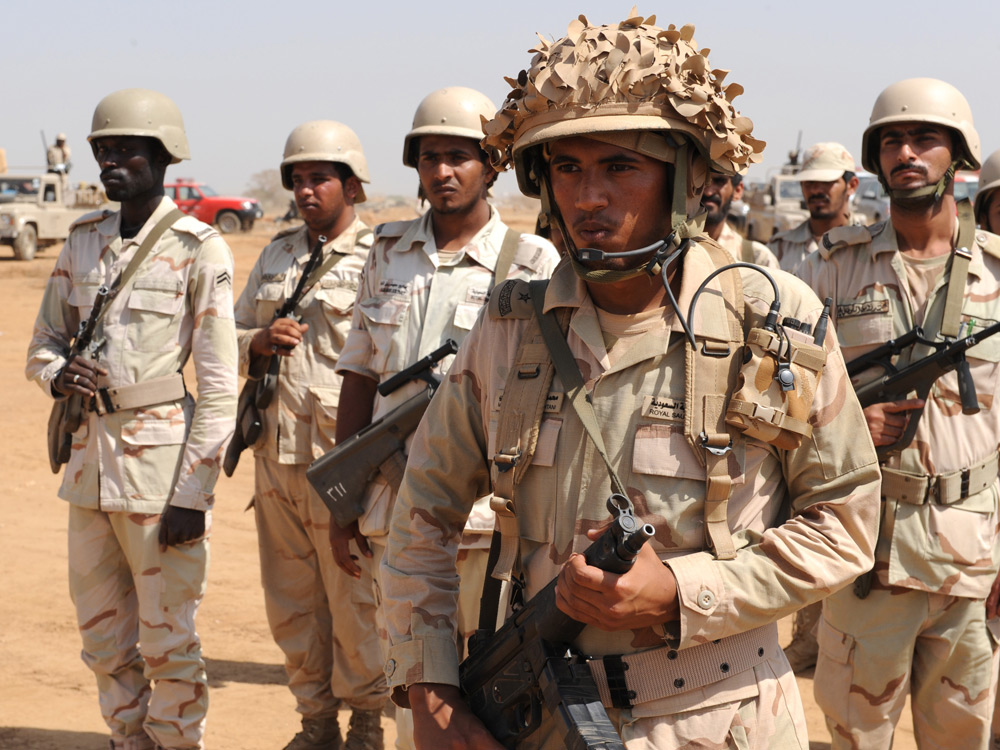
(916,194)
(664,251)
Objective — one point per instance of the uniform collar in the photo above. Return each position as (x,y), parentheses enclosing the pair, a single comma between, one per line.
(110,227)
(483,248)
(886,241)
(343,243)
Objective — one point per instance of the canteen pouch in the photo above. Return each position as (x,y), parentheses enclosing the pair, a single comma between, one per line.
(761,408)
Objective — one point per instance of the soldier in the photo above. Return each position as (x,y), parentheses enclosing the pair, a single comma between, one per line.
(58,155)
(828,182)
(320,617)
(425,282)
(720,192)
(986,206)
(921,630)
(141,474)
(618,142)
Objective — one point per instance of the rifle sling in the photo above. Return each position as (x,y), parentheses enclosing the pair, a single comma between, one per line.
(960,258)
(331,260)
(505,259)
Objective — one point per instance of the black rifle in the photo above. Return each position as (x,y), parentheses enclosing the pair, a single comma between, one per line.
(917,377)
(509,675)
(340,476)
(258,394)
(67,415)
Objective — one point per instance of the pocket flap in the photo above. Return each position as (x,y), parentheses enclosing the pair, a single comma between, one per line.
(833,643)
(326,400)
(271,292)
(339,298)
(388,311)
(466,314)
(157,295)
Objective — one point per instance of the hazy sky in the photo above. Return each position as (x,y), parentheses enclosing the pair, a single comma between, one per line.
(244,74)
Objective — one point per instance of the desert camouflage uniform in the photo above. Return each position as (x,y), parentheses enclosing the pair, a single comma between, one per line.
(829,483)
(921,631)
(320,617)
(57,155)
(135,604)
(733,242)
(792,246)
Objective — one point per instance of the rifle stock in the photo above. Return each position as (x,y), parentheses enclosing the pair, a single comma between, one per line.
(527,664)
(248,427)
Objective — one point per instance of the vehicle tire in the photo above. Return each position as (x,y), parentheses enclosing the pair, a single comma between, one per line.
(26,243)
(228,222)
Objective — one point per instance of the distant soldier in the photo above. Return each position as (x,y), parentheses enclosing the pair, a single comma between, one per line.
(720,192)
(140,477)
(920,630)
(828,182)
(59,155)
(426,281)
(321,618)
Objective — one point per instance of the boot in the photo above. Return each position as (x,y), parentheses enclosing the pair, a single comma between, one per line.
(801,652)
(317,734)
(365,730)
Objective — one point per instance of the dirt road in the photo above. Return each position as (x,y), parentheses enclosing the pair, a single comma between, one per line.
(47,696)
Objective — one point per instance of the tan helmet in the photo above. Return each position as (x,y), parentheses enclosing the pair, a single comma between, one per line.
(455,111)
(325,140)
(989,180)
(142,112)
(922,100)
(60,138)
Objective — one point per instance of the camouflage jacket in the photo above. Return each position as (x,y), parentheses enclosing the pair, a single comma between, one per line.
(179,306)
(949,549)
(409,304)
(733,242)
(792,246)
(828,484)
(300,423)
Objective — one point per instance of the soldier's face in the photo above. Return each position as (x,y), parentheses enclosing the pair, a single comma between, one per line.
(914,154)
(320,194)
(132,166)
(610,198)
(718,196)
(827,200)
(992,214)
(453,176)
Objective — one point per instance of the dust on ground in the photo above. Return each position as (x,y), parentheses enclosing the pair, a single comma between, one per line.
(48,699)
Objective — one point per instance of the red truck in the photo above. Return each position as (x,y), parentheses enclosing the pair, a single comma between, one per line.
(229,214)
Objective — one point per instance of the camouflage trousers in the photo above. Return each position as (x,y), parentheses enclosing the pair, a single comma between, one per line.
(320,617)
(875,651)
(759,709)
(135,607)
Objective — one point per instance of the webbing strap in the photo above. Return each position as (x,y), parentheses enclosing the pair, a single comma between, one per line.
(960,259)
(572,379)
(746,250)
(331,260)
(505,259)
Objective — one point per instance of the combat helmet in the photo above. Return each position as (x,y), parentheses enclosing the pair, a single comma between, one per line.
(989,181)
(456,110)
(922,100)
(325,140)
(142,112)
(641,86)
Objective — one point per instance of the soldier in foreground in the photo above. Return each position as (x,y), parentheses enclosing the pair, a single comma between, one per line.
(425,282)
(720,192)
(141,474)
(320,617)
(828,182)
(920,630)
(621,167)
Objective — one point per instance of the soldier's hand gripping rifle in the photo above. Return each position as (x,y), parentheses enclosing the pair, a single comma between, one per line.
(340,476)
(917,377)
(528,663)
(258,394)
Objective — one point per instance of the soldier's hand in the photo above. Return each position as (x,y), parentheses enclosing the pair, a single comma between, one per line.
(993,600)
(79,376)
(281,337)
(180,525)
(340,544)
(443,721)
(643,597)
(887,421)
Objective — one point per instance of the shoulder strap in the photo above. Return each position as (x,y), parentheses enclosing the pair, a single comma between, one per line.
(960,259)
(508,248)
(572,379)
(746,250)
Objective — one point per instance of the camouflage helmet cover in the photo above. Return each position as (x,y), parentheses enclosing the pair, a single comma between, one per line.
(631,76)
(989,181)
(145,113)
(324,140)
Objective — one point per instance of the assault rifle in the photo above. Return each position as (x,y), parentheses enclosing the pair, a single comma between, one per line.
(257,395)
(895,384)
(340,476)
(509,675)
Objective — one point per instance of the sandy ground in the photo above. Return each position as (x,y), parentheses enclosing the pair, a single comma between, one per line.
(48,700)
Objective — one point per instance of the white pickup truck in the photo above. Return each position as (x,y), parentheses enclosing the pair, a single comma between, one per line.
(36,210)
